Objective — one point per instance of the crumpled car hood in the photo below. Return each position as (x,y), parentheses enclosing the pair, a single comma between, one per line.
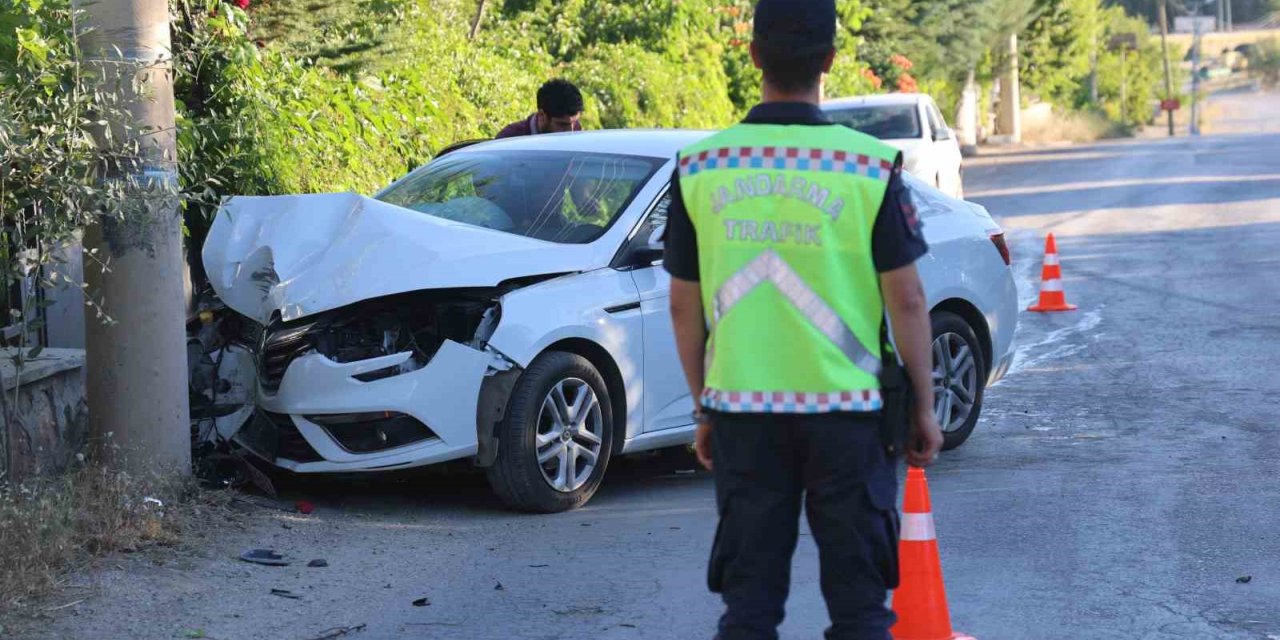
(304,254)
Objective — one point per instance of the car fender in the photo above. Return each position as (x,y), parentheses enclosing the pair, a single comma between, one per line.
(601,307)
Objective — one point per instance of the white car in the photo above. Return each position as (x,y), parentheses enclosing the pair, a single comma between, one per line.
(473,310)
(911,123)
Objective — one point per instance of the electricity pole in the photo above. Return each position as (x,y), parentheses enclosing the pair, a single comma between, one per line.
(1164,48)
(1195,75)
(136,366)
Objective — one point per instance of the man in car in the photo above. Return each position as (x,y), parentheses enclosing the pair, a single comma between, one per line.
(559,107)
(788,237)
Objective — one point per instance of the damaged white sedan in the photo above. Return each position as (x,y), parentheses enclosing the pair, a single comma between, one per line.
(506,303)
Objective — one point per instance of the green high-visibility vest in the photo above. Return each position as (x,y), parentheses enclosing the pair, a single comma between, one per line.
(784,217)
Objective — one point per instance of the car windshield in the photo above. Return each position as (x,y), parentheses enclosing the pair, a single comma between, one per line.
(557,196)
(884,121)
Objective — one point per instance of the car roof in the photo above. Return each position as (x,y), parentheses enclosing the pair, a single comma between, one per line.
(879,99)
(654,143)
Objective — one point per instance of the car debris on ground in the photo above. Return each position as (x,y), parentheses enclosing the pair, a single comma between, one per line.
(265,557)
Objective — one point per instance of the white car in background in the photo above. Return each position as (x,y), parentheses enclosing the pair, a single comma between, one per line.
(506,303)
(912,123)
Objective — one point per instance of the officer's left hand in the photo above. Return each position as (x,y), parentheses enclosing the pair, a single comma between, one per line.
(702,444)
(926,439)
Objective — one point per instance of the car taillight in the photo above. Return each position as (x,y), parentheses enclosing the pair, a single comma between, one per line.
(1001,246)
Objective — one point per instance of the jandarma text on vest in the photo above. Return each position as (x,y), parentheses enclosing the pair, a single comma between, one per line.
(764,185)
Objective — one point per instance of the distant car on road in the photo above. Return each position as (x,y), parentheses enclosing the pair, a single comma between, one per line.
(912,123)
(506,303)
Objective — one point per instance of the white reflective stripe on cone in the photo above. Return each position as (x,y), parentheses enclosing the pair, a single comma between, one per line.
(1051,285)
(1051,259)
(918,527)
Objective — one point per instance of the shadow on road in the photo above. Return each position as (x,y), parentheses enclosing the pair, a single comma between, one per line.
(1209,170)
(462,489)
(1139,194)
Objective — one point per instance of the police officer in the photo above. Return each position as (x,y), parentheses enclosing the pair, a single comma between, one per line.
(787,239)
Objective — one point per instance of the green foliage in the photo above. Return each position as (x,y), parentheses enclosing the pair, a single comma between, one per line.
(1142,71)
(1264,64)
(632,87)
(1056,48)
(61,166)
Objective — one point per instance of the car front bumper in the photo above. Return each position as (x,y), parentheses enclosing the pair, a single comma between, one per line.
(443,395)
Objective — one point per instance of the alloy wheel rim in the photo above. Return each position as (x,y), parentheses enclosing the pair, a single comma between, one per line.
(955,381)
(570,435)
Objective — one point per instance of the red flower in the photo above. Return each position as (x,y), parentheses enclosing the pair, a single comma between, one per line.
(243,4)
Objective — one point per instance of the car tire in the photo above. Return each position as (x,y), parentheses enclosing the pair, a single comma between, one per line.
(539,467)
(959,373)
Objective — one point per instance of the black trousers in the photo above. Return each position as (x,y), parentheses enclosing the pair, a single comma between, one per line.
(764,466)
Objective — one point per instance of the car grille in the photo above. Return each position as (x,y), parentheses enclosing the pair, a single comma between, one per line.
(273,436)
(278,349)
(292,445)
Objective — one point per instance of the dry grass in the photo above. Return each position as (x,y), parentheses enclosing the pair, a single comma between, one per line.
(1073,126)
(51,526)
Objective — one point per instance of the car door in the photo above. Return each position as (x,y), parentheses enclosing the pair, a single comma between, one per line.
(667,402)
(947,150)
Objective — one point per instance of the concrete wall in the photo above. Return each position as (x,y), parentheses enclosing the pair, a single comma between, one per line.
(1214,43)
(50,414)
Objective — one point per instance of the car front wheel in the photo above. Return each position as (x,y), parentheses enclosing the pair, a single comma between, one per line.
(554,444)
(959,376)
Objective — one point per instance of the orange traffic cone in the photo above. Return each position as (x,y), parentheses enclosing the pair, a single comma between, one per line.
(921,600)
(1051,296)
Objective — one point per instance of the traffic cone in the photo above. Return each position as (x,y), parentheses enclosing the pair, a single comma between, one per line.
(1051,296)
(920,600)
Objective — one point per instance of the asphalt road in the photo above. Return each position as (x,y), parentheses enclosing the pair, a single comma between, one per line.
(1123,476)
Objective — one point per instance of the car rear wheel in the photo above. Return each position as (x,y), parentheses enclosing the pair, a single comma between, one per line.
(959,377)
(555,442)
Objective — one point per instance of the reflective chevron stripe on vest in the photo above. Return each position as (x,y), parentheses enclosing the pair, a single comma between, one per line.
(784,216)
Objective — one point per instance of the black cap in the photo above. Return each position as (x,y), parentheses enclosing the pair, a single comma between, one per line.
(800,27)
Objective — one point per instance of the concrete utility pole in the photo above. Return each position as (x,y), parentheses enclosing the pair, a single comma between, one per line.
(1124,87)
(1231,24)
(1195,75)
(967,116)
(1164,48)
(1010,116)
(136,368)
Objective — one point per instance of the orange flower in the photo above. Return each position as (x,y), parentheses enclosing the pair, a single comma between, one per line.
(872,77)
(900,61)
(741,27)
(907,84)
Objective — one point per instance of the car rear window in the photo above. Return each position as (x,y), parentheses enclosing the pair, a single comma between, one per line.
(885,121)
(557,196)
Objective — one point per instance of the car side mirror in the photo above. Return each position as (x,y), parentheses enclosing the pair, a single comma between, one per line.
(655,241)
(653,247)
(942,134)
